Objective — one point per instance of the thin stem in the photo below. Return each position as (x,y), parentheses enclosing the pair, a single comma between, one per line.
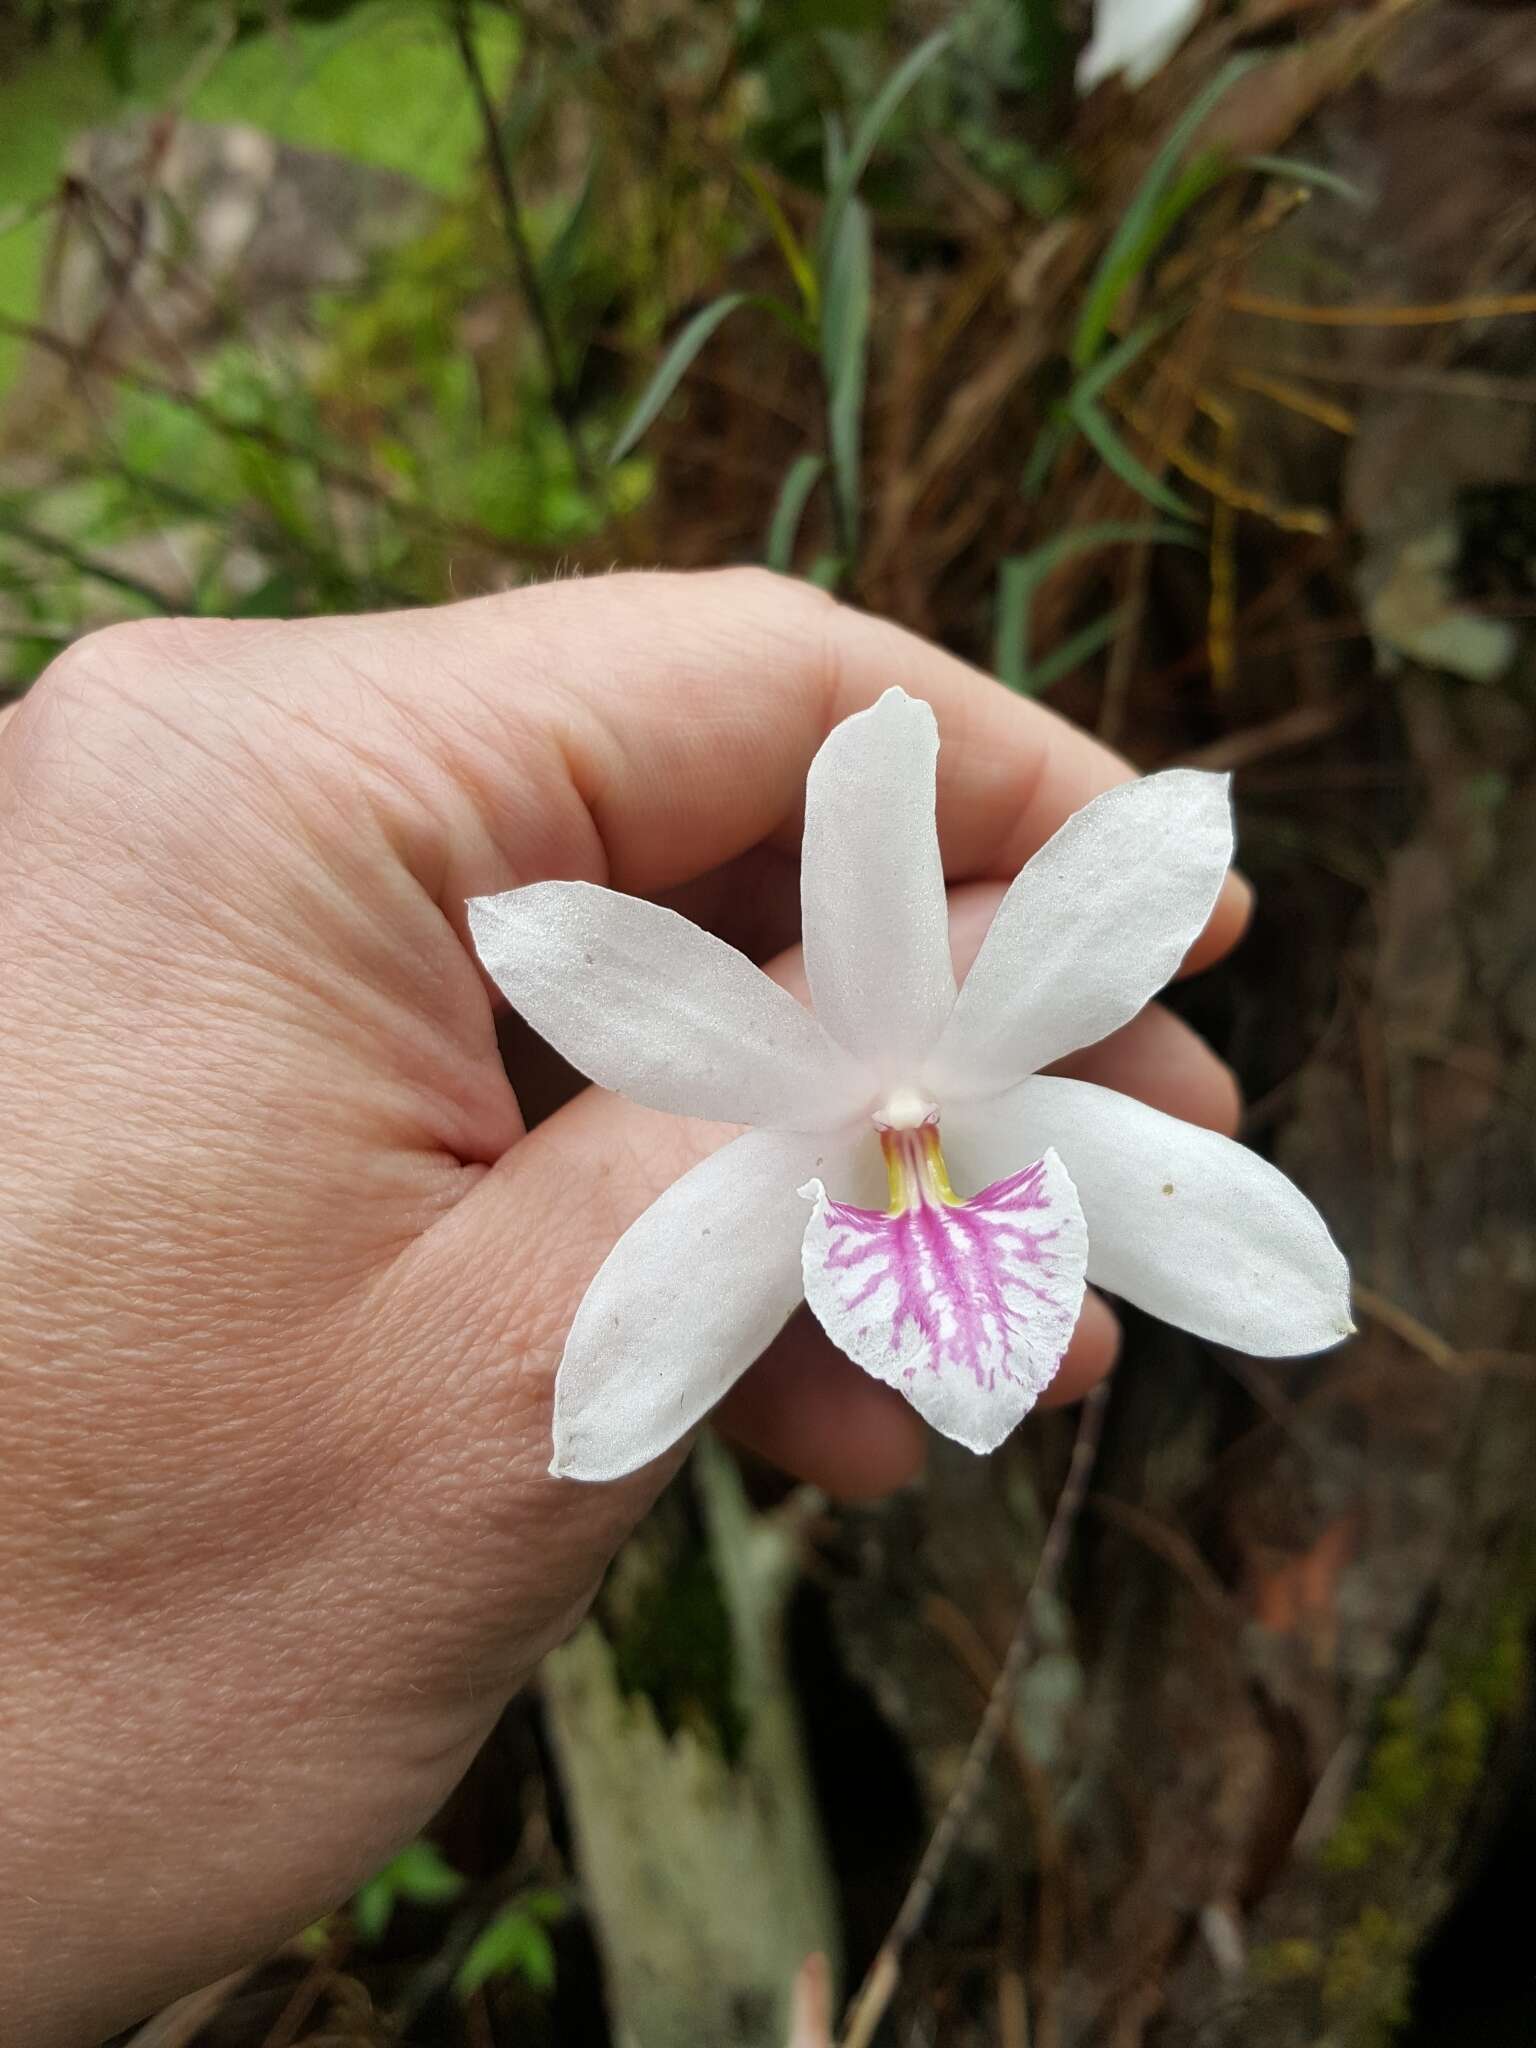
(878,1988)
(562,397)
(89,565)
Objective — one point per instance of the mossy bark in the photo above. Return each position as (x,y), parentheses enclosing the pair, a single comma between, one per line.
(680,1752)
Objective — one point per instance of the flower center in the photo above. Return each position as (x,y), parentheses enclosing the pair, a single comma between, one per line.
(915,1169)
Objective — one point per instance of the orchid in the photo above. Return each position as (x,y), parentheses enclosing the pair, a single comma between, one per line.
(1135,38)
(963,1301)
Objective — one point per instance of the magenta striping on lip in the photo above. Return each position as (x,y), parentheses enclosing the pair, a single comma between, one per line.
(958,1270)
(965,1306)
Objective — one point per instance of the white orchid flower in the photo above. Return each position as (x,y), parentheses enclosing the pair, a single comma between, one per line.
(963,1301)
(1135,38)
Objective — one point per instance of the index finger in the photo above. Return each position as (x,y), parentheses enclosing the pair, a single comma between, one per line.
(680,713)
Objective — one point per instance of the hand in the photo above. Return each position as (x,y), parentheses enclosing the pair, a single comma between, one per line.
(284,1270)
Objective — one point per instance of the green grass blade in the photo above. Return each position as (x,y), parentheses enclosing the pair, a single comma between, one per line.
(796,261)
(672,368)
(1010,648)
(1049,442)
(800,479)
(854,160)
(560,261)
(1076,649)
(1022,576)
(844,341)
(1306,174)
(1094,382)
(1146,220)
(1094,426)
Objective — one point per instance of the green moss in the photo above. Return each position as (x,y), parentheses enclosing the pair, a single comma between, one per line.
(675,1648)
(1369,1979)
(1430,1755)
(1286,1962)
(1399,1780)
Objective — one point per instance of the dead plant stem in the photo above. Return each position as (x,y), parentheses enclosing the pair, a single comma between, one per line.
(874,1995)
(562,398)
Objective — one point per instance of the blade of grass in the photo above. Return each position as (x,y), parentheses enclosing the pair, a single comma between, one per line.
(1095,428)
(876,118)
(844,340)
(673,367)
(1022,576)
(1049,442)
(1094,382)
(560,258)
(796,261)
(1076,649)
(1305,174)
(800,479)
(1088,387)
(1146,221)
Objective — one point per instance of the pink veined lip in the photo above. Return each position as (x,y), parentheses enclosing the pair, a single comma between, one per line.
(940,1284)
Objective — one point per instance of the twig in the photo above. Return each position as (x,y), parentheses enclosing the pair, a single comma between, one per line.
(562,398)
(1485,306)
(1429,1345)
(181,2023)
(874,1995)
(1295,728)
(89,565)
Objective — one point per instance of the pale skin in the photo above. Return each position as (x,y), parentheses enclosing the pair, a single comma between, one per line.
(285,1275)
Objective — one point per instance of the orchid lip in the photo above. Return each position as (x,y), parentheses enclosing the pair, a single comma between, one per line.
(965,1306)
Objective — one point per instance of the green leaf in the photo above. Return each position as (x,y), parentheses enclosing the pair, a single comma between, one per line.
(853,161)
(419,1873)
(1147,219)
(800,479)
(826,572)
(1095,428)
(1077,649)
(371,1910)
(1049,442)
(796,261)
(844,341)
(1306,174)
(422,1874)
(1094,382)
(674,365)
(564,250)
(513,1941)
(1022,575)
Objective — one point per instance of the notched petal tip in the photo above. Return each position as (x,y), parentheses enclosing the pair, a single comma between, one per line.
(892,707)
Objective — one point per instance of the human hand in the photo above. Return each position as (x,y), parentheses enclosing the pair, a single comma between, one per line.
(286,1272)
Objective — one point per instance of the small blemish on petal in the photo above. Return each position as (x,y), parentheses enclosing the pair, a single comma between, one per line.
(1167,1187)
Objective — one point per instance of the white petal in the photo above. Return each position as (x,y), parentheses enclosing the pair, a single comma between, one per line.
(1186,1224)
(1092,928)
(690,1295)
(874,919)
(966,1308)
(640,1000)
(1136,37)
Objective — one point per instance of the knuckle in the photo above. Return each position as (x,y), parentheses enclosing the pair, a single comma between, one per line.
(125,659)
